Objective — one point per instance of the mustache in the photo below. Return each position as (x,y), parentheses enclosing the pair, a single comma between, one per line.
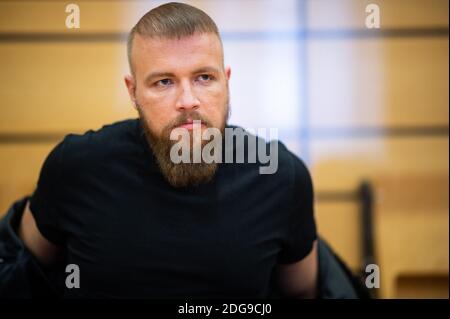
(184,117)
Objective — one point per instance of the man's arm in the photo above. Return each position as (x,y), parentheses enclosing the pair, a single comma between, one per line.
(46,252)
(299,280)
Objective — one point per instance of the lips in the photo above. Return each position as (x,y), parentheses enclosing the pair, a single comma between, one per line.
(190,124)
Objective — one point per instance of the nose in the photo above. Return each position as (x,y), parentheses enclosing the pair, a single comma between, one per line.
(186,99)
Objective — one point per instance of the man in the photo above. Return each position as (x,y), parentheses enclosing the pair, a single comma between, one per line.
(114,203)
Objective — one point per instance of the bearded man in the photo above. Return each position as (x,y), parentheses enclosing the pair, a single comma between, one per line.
(137,224)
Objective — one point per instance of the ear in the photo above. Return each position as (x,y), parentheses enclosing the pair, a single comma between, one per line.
(131,86)
(228,72)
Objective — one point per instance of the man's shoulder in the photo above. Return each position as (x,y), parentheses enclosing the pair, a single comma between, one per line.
(105,136)
(290,165)
(94,144)
(120,129)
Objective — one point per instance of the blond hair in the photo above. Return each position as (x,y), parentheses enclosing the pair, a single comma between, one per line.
(173,21)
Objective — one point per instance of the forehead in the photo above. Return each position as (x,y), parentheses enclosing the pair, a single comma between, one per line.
(176,55)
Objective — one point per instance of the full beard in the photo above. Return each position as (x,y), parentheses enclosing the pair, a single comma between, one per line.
(181,174)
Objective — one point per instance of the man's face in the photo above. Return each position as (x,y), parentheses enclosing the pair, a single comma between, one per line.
(176,82)
(177,78)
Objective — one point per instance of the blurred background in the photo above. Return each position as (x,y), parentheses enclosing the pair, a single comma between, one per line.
(366,109)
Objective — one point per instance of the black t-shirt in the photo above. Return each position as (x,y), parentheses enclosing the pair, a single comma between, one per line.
(103,198)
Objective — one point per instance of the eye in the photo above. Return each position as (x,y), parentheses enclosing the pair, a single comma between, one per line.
(163,82)
(205,78)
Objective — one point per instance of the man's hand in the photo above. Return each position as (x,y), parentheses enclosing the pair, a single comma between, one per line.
(46,252)
(299,280)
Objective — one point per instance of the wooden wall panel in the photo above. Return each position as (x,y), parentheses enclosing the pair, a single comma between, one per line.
(411,223)
(20,165)
(63,87)
(378,82)
(113,16)
(339,224)
(350,14)
(341,164)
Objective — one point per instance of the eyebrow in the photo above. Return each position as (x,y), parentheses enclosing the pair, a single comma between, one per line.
(154,75)
(206,69)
